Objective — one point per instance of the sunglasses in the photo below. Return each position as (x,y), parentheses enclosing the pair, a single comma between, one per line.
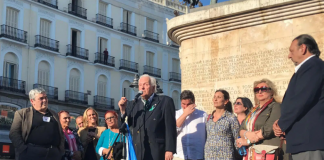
(262,89)
(237,103)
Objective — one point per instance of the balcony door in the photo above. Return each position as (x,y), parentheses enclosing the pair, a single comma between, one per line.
(101,48)
(101,89)
(127,91)
(45,27)
(103,8)
(149,25)
(10,70)
(74,84)
(150,59)
(75,6)
(12,23)
(175,65)
(75,42)
(44,76)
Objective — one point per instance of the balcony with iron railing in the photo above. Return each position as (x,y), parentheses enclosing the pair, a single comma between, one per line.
(176,77)
(13,33)
(151,36)
(78,52)
(127,28)
(76,97)
(46,43)
(128,65)
(152,71)
(51,92)
(104,103)
(103,20)
(78,11)
(12,85)
(50,3)
(107,60)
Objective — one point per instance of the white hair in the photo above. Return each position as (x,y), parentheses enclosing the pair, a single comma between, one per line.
(35,91)
(152,81)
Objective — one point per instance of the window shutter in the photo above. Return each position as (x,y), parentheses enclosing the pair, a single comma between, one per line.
(78,39)
(103,8)
(74,83)
(45,27)
(12,17)
(101,89)
(175,65)
(126,52)
(149,24)
(149,58)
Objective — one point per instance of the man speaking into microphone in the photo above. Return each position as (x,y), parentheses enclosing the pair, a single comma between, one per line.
(153,122)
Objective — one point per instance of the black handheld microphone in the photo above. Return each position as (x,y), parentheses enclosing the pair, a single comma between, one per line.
(138,95)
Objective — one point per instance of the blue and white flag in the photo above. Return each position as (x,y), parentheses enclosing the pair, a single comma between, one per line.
(129,145)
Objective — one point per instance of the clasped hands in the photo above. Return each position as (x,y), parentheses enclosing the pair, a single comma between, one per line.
(277,130)
(254,137)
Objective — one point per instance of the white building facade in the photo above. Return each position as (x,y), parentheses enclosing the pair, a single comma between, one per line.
(59,45)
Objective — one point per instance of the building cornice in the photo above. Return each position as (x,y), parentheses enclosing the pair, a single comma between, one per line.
(239,15)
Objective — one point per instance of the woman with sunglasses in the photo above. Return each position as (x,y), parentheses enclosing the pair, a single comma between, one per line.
(108,137)
(222,129)
(73,146)
(242,107)
(90,134)
(257,127)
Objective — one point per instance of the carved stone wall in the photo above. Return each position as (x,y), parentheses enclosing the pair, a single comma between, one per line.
(231,46)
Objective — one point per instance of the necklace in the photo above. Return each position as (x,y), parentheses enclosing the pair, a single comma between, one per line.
(111,140)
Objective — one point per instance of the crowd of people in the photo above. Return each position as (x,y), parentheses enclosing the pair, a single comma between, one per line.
(269,129)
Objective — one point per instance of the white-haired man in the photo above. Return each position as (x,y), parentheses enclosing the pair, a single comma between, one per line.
(36,132)
(153,122)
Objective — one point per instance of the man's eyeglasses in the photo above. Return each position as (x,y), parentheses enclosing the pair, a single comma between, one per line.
(262,89)
(113,117)
(237,103)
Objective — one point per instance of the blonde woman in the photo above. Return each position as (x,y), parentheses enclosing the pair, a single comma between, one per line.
(90,133)
(257,127)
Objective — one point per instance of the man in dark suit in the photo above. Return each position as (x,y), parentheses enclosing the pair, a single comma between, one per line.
(36,132)
(153,122)
(302,109)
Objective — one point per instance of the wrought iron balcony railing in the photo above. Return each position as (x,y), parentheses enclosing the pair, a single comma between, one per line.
(106,60)
(127,28)
(128,65)
(46,43)
(12,85)
(151,36)
(78,11)
(103,20)
(175,77)
(77,52)
(76,97)
(13,33)
(51,92)
(103,102)
(50,3)
(156,72)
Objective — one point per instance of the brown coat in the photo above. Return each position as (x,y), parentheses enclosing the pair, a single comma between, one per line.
(21,126)
(264,122)
(83,134)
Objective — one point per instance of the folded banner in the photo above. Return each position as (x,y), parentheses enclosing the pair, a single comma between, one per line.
(130,148)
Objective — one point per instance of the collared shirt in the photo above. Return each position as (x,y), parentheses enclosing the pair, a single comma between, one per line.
(191,135)
(300,64)
(150,99)
(43,132)
(71,140)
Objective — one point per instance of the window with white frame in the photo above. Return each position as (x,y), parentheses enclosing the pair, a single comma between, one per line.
(10,66)
(103,8)
(176,97)
(127,52)
(149,24)
(102,44)
(149,58)
(127,16)
(175,65)
(45,27)
(126,90)
(101,86)
(12,17)
(43,73)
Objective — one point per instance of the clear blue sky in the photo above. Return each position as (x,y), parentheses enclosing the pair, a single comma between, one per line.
(206,2)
